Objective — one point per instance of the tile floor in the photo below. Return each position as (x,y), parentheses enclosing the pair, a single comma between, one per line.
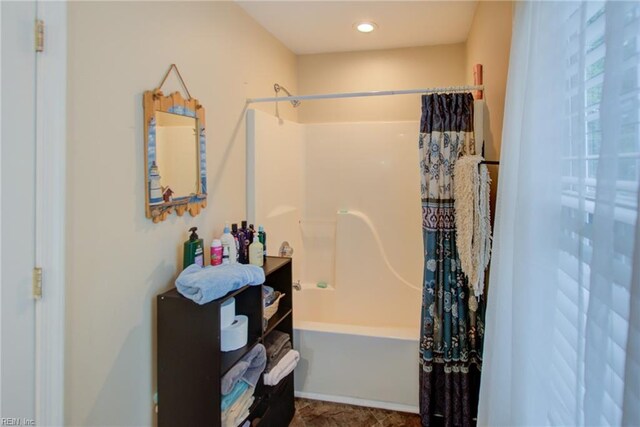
(315,413)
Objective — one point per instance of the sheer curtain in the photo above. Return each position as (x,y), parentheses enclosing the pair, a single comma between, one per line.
(561,343)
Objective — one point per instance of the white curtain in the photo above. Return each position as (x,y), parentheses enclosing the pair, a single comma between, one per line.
(561,343)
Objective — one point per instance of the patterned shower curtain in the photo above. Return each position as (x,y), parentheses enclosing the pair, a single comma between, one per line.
(452,323)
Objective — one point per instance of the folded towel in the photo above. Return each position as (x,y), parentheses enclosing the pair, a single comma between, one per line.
(238,411)
(286,348)
(282,369)
(238,390)
(274,343)
(204,284)
(248,369)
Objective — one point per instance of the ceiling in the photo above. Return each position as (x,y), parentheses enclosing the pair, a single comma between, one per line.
(308,27)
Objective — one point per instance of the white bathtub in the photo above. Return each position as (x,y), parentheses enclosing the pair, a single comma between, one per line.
(346,196)
(359,365)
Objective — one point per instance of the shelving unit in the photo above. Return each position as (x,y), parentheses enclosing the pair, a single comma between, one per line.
(190,363)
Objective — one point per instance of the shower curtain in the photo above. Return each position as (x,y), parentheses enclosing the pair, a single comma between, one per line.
(452,323)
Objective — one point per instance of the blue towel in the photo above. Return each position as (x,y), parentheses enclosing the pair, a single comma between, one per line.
(248,369)
(235,394)
(204,284)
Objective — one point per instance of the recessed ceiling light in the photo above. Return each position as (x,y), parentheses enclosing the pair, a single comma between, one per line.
(366,27)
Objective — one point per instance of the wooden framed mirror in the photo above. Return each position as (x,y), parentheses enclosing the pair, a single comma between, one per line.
(175,155)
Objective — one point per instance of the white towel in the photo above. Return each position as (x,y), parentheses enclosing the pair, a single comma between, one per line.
(471,185)
(286,365)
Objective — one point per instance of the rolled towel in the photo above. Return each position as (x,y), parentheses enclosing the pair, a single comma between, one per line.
(286,348)
(282,369)
(238,390)
(204,284)
(272,300)
(274,343)
(268,294)
(248,369)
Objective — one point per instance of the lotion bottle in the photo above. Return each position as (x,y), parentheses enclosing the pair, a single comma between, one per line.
(256,252)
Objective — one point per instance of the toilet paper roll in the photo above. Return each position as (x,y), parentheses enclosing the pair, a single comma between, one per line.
(234,336)
(227,313)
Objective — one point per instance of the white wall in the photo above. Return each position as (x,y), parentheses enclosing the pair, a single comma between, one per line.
(118,260)
(408,68)
(276,185)
(304,175)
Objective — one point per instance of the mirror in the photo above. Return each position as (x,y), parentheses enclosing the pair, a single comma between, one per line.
(175,161)
(177,153)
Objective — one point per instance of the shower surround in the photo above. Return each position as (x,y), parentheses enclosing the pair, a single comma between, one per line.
(346,196)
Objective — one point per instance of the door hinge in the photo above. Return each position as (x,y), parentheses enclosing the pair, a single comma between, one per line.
(37,283)
(39,31)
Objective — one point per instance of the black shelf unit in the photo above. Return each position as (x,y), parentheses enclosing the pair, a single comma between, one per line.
(190,363)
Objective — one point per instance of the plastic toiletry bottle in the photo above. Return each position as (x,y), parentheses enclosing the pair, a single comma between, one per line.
(242,255)
(243,239)
(252,232)
(256,252)
(234,233)
(262,236)
(193,250)
(216,252)
(228,244)
(225,255)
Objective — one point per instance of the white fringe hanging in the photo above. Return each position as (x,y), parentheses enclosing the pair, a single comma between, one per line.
(471,186)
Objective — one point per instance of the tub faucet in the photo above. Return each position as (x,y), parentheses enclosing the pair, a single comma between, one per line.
(296,285)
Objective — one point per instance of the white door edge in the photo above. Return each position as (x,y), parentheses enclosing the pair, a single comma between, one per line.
(51,120)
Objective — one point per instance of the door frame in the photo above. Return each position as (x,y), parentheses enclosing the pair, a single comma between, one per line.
(51,133)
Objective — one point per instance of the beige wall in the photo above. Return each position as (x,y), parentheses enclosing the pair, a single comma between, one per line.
(407,68)
(118,260)
(488,44)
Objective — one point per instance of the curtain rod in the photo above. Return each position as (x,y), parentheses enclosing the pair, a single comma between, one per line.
(362,94)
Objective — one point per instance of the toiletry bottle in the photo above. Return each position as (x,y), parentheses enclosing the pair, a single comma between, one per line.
(234,233)
(242,255)
(225,255)
(256,252)
(216,252)
(262,236)
(252,232)
(228,243)
(193,250)
(243,239)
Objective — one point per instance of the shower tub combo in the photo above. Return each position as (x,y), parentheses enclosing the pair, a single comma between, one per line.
(346,197)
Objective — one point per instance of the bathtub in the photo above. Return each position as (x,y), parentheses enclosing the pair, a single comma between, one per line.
(346,197)
(355,364)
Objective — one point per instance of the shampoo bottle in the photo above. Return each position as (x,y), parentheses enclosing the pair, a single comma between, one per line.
(256,252)
(228,244)
(262,236)
(193,250)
